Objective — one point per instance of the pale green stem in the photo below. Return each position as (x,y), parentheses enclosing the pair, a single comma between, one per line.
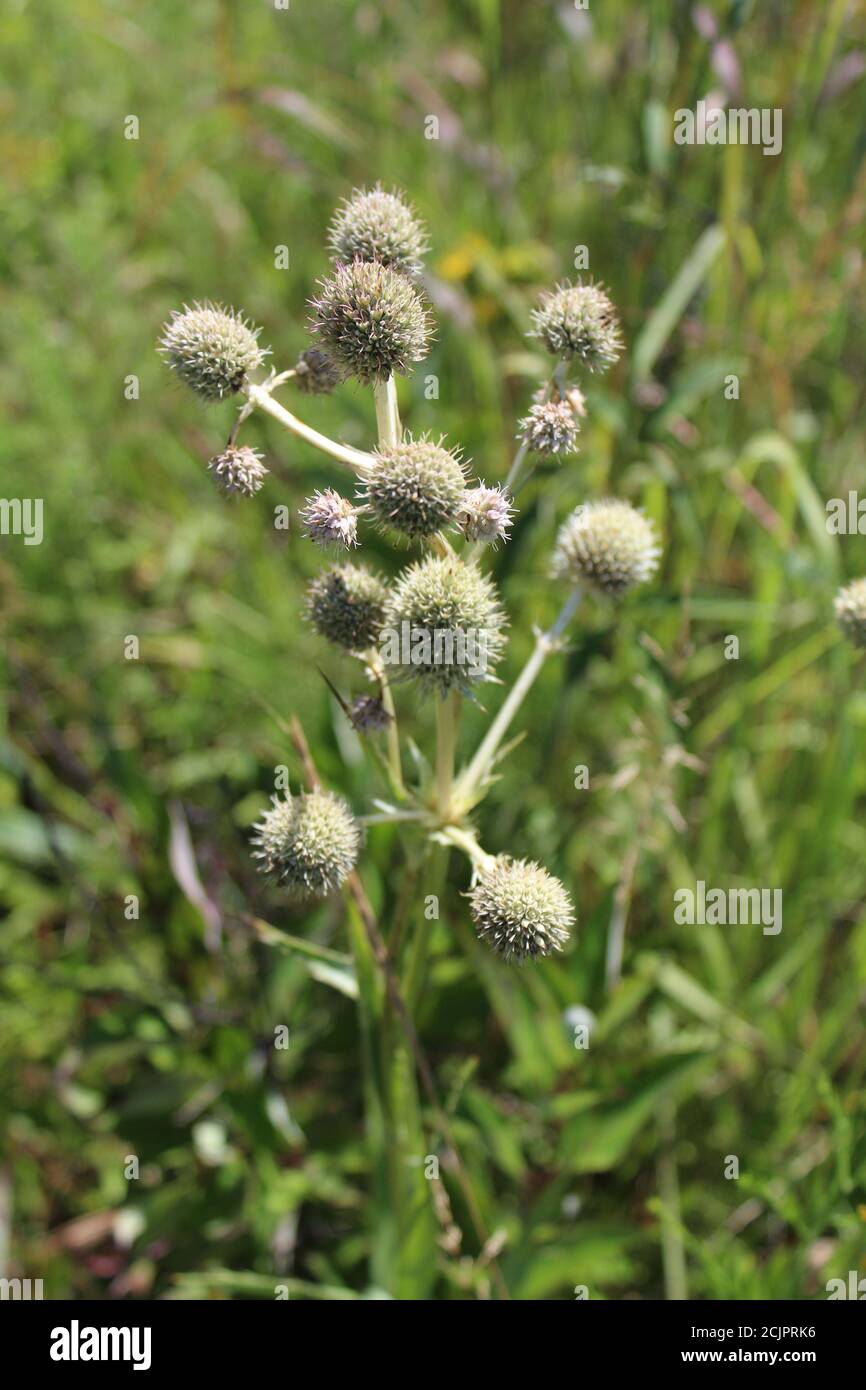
(545,643)
(465,840)
(261,398)
(387,412)
(446,741)
(393,736)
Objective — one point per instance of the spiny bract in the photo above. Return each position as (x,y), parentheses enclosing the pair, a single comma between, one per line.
(238,470)
(608,544)
(371,320)
(579,321)
(414,487)
(308,844)
(520,910)
(211,349)
(444,624)
(850,605)
(374,225)
(346,604)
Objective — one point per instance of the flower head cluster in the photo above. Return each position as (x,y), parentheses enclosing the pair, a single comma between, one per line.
(850,606)
(579,322)
(414,487)
(374,225)
(520,910)
(485,514)
(444,625)
(238,470)
(371,320)
(346,605)
(330,519)
(308,844)
(211,349)
(315,373)
(550,428)
(609,545)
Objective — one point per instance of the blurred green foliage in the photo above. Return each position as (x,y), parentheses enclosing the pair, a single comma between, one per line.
(153,1036)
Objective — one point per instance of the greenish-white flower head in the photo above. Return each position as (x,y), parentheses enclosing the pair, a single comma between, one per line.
(330,519)
(346,605)
(211,349)
(315,373)
(444,625)
(414,487)
(485,514)
(550,429)
(308,844)
(850,605)
(374,225)
(609,545)
(238,471)
(579,322)
(371,320)
(520,910)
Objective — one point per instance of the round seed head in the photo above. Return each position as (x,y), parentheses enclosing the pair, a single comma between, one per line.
(444,625)
(211,349)
(238,470)
(374,225)
(607,544)
(520,910)
(346,605)
(330,519)
(579,321)
(850,605)
(315,373)
(308,844)
(550,428)
(485,514)
(368,715)
(414,487)
(371,320)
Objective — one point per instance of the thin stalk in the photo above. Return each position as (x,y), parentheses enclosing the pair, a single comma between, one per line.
(545,643)
(395,764)
(260,397)
(387,412)
(446,742)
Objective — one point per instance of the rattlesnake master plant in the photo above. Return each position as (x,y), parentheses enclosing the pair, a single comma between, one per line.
(437,622)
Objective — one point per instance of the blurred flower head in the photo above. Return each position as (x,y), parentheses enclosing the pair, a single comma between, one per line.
(579,322)
(609,545)
(850,606)
(374,225)
(346,606)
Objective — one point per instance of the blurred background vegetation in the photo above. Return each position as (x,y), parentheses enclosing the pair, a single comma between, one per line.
(153,1036)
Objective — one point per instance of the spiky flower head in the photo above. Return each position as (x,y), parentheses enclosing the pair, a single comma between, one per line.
(315,373)
(330,519)
(414,487)
(850,605)
(608,544)
(308,844)
(550,428)
(374,225)
(238,470)
(485,514)
(444,625)
(579,321)
(371,320)
(211,349)
(520,910)
(346,605)
(368,715)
